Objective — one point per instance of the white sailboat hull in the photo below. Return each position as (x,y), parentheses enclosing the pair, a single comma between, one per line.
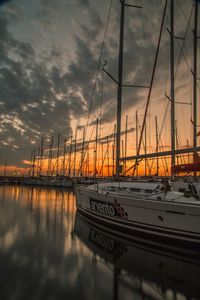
(175,221)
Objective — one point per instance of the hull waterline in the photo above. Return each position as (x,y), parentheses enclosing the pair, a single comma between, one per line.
(170,221)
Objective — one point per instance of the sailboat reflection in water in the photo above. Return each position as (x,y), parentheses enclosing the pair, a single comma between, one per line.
(146,268)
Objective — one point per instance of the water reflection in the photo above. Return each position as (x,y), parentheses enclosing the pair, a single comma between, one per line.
(140,270)
(35,239)
(47,251)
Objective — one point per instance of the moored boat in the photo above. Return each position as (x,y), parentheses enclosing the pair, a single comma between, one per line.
(164,210)
(145,208)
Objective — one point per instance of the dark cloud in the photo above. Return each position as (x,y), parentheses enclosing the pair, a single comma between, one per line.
(4,1)
(85,3)
(40,95)
(30,107)
(41,99)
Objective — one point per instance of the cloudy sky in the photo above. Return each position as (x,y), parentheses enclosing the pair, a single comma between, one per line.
(49,58)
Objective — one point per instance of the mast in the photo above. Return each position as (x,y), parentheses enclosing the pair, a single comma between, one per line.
(188,153)
(31,162)
(57,157)
(176,139)
(114,151)
(145,148)
(136,138)
(102,159)
(38,162)
(88,163)
(108,158)
(41,155)
(157,141)
(172,86)
(126,132)
(119,92)
(113,159)
(70,154)
(33,170)
(67,155)
(82,152)
(64,157)
(95,151)
(195,77)
(50,156)
(75,152)
(5,168)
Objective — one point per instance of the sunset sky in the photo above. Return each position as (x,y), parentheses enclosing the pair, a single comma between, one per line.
(49,54)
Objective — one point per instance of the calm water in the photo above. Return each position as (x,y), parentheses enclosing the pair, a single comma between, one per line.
(49,252)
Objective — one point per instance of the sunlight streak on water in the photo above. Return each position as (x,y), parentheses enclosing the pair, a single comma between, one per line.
(48,251)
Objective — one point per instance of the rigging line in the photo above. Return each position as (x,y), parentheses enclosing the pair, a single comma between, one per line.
(145,67)
(189,67)
(164,118)
(180,6)
(180,145)
(143,142)
(182,52)
(104,157)
(85,150)
(101,103)
(161,129)
(160,132)
(151,84)
(159,135)
(43,160)
(183,44)
(181,48)
(182,158)
(164,158)
(99,64)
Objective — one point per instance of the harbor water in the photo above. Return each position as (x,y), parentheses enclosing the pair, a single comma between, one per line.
(49,251)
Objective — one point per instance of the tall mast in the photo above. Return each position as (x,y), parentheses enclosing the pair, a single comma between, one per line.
(5,168)
(31,162)
(157,144)
(119,92)
(108,158)
(57,157)
(172,86)
(38,162)
(50,156)
(102,159)
(95,153)
(136,138)
(113,159)
(176,139)
(145,148)
(82,152)
(88,164)
(114,149)
(41,155)
(64,157)
(195,75)
(75,152)
(70,154)
(126,133)
(34,156)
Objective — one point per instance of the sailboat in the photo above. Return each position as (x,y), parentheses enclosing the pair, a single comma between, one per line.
(155,209)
